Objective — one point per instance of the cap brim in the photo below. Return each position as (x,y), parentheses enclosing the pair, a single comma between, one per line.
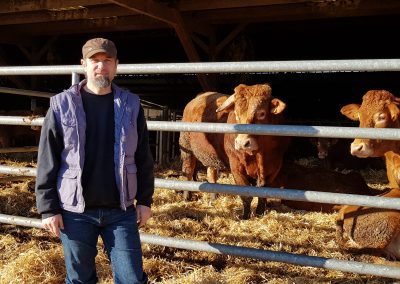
(93,52)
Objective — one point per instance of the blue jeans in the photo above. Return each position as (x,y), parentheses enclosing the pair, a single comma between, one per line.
(121,239)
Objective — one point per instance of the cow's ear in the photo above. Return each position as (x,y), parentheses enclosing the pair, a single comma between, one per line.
(227,105)
(351,111)
(277,106)
(394,111)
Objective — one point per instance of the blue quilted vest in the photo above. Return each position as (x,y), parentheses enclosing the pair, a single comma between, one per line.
(71,121)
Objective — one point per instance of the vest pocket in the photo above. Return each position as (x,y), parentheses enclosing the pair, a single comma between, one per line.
(131,181)
(67,185)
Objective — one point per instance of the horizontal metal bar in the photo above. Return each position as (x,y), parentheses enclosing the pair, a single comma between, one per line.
(264,129)
(289,194)
(265,255)
(19,149)
(20,171)
(268,255)
(26,92)
(221,67)
(280,130)
(266,192)
(21,221)
(19,120)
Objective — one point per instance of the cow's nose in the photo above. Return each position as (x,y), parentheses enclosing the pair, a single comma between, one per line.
(246,144)
(355,148)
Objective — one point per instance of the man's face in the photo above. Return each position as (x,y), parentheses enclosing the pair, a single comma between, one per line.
(100,69)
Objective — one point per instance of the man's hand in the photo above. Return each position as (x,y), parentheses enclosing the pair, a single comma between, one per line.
(143,214)
(54,224)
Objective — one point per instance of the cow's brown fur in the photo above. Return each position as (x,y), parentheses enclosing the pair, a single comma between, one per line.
(205,147)
(372,230)
(379,109)
(393,168)
(255,105)
(261,164)
(318,179)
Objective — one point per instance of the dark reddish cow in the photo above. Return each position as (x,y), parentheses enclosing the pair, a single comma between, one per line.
(254,159)
(372,230)
(379,109)
(295,176)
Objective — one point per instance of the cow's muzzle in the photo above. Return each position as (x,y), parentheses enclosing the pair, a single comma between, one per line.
(244,142)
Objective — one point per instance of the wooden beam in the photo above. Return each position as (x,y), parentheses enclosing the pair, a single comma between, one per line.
(231,36)
(45,16)
(172,17)
(196,5)
(12,6)
(149,8)
(111,24)
(293,12)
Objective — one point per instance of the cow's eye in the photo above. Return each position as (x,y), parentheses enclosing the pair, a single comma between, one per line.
(261,114)
(381,117)
(381,120)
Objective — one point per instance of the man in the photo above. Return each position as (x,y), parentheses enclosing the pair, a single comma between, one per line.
(94,161)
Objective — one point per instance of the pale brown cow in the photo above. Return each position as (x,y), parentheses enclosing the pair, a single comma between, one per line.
(379,109)
(393,169)
(372,230)
(205,147)
(254,159)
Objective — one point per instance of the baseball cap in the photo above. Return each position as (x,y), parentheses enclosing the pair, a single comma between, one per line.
(96,45)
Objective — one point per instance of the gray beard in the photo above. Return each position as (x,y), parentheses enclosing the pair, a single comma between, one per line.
(102,82)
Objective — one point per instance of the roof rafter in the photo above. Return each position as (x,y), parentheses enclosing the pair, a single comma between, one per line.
(11,6)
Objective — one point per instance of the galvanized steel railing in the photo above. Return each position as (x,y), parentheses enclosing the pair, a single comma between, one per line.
(284,130)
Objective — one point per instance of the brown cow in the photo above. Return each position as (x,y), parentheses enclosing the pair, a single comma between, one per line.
(319,179)
(205,147)
(393,169)
(254,159)
(372,230)
(379,109)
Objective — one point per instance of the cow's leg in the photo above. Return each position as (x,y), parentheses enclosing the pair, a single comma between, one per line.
(240,179)
(188,168)
(212,174)
(261,206)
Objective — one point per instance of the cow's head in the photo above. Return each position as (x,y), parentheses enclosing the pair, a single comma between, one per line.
(323,145)
(379,109)
(252,105)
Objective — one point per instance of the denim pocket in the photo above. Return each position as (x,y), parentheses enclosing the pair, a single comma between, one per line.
(67,185)
(131,180)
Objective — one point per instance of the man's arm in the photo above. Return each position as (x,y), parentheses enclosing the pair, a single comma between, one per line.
(50,147)
(145,174)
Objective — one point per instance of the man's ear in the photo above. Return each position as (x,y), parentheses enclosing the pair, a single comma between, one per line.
(83,62)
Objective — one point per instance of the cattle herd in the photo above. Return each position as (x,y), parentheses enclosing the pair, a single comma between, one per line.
(259,160)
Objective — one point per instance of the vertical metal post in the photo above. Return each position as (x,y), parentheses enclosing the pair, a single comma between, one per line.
(33,104)
(75,78)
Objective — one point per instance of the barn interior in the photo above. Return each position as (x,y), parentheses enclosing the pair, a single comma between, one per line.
(167,31)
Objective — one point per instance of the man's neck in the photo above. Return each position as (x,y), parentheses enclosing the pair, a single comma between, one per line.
(90,88)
